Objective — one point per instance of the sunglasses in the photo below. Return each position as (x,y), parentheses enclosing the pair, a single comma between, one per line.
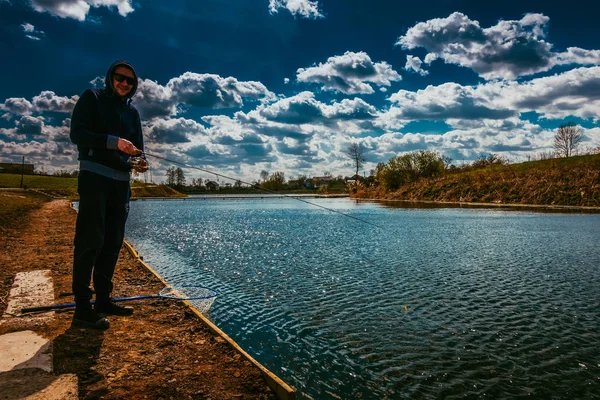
(120,78)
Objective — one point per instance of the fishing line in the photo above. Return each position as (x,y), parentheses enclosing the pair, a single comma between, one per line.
(362,256)
(261,189)
(369,262)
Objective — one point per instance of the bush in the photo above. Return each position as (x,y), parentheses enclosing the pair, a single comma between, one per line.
(489,160)
(407,168)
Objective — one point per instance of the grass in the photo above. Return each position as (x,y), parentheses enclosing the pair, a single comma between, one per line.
(37,182)
(53,185)
(573,181)
(15,204)
(67,187)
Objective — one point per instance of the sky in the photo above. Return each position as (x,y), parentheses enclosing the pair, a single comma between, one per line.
(241,86)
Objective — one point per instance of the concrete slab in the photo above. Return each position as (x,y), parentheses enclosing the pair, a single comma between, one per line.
(30,289)
(26,357)
(25,349)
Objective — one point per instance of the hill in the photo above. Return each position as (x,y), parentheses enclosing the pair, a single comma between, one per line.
(573,181)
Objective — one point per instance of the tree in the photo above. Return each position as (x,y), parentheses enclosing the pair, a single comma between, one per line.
(179,178)
(170,176)
(567,138)
(264,175)
(407,168)
(489,160)
(428,164)
(355,153)
(274,182)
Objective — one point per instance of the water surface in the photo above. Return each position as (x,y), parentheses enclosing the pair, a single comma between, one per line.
(431,303)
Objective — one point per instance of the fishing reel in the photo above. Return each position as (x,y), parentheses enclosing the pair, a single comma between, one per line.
(135,161)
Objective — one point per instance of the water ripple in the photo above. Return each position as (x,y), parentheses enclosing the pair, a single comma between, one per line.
(441,303)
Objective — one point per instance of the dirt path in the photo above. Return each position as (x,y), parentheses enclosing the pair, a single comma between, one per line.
(162,351)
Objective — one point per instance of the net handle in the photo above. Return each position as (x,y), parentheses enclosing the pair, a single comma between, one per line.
(160,295)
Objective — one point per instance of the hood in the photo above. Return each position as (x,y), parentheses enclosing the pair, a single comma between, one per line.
(108,80)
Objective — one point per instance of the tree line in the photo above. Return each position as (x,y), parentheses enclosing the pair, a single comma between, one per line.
(398,171)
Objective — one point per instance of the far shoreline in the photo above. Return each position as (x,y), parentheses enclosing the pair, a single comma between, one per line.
(457,204)
(403,203)
(243,196)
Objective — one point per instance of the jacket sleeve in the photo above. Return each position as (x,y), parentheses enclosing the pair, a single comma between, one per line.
(82,122)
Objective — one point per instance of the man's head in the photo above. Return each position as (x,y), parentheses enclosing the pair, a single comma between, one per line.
(122,79)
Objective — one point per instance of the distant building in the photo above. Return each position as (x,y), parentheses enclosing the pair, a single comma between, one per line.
(211,185)
(320,181)
(14,168)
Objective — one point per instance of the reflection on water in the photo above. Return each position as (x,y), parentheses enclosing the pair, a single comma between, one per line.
(439,302)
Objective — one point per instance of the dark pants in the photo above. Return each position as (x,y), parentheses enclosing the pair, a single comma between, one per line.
(99,233)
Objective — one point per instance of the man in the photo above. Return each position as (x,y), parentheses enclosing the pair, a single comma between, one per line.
(107,130)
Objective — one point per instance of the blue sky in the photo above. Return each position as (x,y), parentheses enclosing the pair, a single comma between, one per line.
(242,86)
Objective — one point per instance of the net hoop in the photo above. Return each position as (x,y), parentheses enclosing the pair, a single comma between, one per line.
(188,292)
(200,297)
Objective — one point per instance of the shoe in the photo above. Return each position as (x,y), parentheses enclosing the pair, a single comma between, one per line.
(110,308)
(86,317)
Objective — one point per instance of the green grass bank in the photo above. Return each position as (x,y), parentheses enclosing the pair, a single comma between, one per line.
(573,181)
(67,187)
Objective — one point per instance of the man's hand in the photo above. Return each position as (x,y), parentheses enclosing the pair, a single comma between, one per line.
(140,166)
(127,147)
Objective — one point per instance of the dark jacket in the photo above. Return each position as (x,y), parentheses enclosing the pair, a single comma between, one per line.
(100,117)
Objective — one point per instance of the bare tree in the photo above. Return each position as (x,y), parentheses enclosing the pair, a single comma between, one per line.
(264,175)
(355,153)
(171,176)
(179,177)
(567,138)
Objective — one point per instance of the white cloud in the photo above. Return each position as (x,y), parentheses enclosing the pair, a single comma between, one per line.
(31,32)
(571,93)
(449,100)
(172,130)
(414,64)
(49,101)
(78,9)
(209,90)
(17,106)
(27,27)
(97,82)
(28,125)
(575,55)
(506,50)
(303,108)
(154,100)
(349,73)
(468,143)
(46,101)
(302,8)
(196,90)
(574,93)
(37,152)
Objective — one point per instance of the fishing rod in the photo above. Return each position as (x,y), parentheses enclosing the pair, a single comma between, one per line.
(258,188)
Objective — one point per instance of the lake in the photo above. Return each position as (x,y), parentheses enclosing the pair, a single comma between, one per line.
(416,303)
